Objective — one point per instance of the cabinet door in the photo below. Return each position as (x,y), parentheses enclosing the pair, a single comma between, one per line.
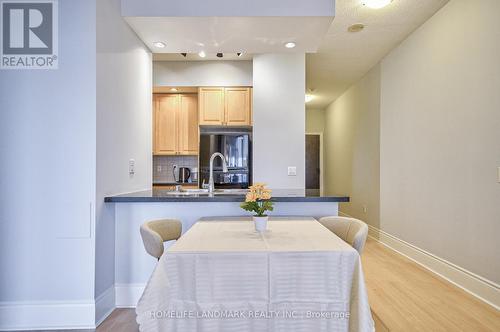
(237,106)
(211,103)
(188,124)
(166,124)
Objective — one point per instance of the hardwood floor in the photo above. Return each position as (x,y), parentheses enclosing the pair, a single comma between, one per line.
(120,320)
(403,297)
(407,297)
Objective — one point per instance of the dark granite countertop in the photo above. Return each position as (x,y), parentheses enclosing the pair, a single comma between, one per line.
(163,195)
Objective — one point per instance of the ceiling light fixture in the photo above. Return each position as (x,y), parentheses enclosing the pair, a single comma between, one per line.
(376,4)
(202,54)
(159,44)
(309,98)
(356,27)
(290,45)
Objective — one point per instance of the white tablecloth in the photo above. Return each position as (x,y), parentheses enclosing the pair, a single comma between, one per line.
(223,276)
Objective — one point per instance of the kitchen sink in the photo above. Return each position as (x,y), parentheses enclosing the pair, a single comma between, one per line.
(231,191)
(187,192)
(195,192)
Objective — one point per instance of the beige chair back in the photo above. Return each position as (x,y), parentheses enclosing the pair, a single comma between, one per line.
(352,231)
(155,232)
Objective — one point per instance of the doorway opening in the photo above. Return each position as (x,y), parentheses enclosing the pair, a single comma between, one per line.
(314,164)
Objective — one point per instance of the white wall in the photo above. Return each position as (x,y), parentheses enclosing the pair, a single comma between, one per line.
(439,122)
(279,119)
(202,73)
(352,148)
(66,136)
(440,137)
(47,181)
(315,120)
(124,78)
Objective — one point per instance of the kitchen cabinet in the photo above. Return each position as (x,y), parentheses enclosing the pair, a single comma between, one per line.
(225,106)
(237,106)
(188,125)
(175,124)
(211,101)
(165,127)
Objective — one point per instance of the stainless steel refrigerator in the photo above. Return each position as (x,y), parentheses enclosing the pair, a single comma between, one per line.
(236,146)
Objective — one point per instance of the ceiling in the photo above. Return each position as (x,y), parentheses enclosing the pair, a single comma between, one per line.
(196,57)
(231,34)
(341,57)
(344,57)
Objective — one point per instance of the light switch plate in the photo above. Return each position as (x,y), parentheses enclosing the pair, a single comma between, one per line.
(292,171)
(131,167)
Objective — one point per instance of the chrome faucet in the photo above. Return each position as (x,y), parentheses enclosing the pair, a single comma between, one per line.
(211,186)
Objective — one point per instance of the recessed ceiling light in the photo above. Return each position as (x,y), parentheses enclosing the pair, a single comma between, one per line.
(159,44)
(309,98)
(376,4)
(173,89)
(202,54)
(356,27)
(290,45)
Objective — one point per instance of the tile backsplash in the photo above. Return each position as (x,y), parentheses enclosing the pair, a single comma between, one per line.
(163,166)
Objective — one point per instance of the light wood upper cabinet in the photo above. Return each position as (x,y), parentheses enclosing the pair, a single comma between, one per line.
(225,106)
(237,106)
(211,102)
(175,124)
(188,124)
(166,107)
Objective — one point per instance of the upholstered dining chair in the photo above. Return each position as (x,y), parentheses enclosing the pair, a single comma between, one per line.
(352,231)
(155,232)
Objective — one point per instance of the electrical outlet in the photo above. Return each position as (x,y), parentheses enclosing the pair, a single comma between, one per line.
(131,167)
(292,171)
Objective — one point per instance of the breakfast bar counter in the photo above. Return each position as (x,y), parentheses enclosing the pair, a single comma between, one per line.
(228,195)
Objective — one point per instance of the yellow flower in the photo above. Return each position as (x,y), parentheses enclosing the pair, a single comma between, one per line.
(258,186)
(250,197)
(266,195)
(258,191)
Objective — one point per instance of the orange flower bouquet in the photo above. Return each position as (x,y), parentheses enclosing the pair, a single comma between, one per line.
(258,200)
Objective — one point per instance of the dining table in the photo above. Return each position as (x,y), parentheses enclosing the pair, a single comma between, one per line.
(222,275)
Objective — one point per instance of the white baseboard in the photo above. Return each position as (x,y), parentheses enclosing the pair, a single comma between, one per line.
(484,289)
(127,295)
(56,315)
(46,315)
(104,305)
(59,315)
